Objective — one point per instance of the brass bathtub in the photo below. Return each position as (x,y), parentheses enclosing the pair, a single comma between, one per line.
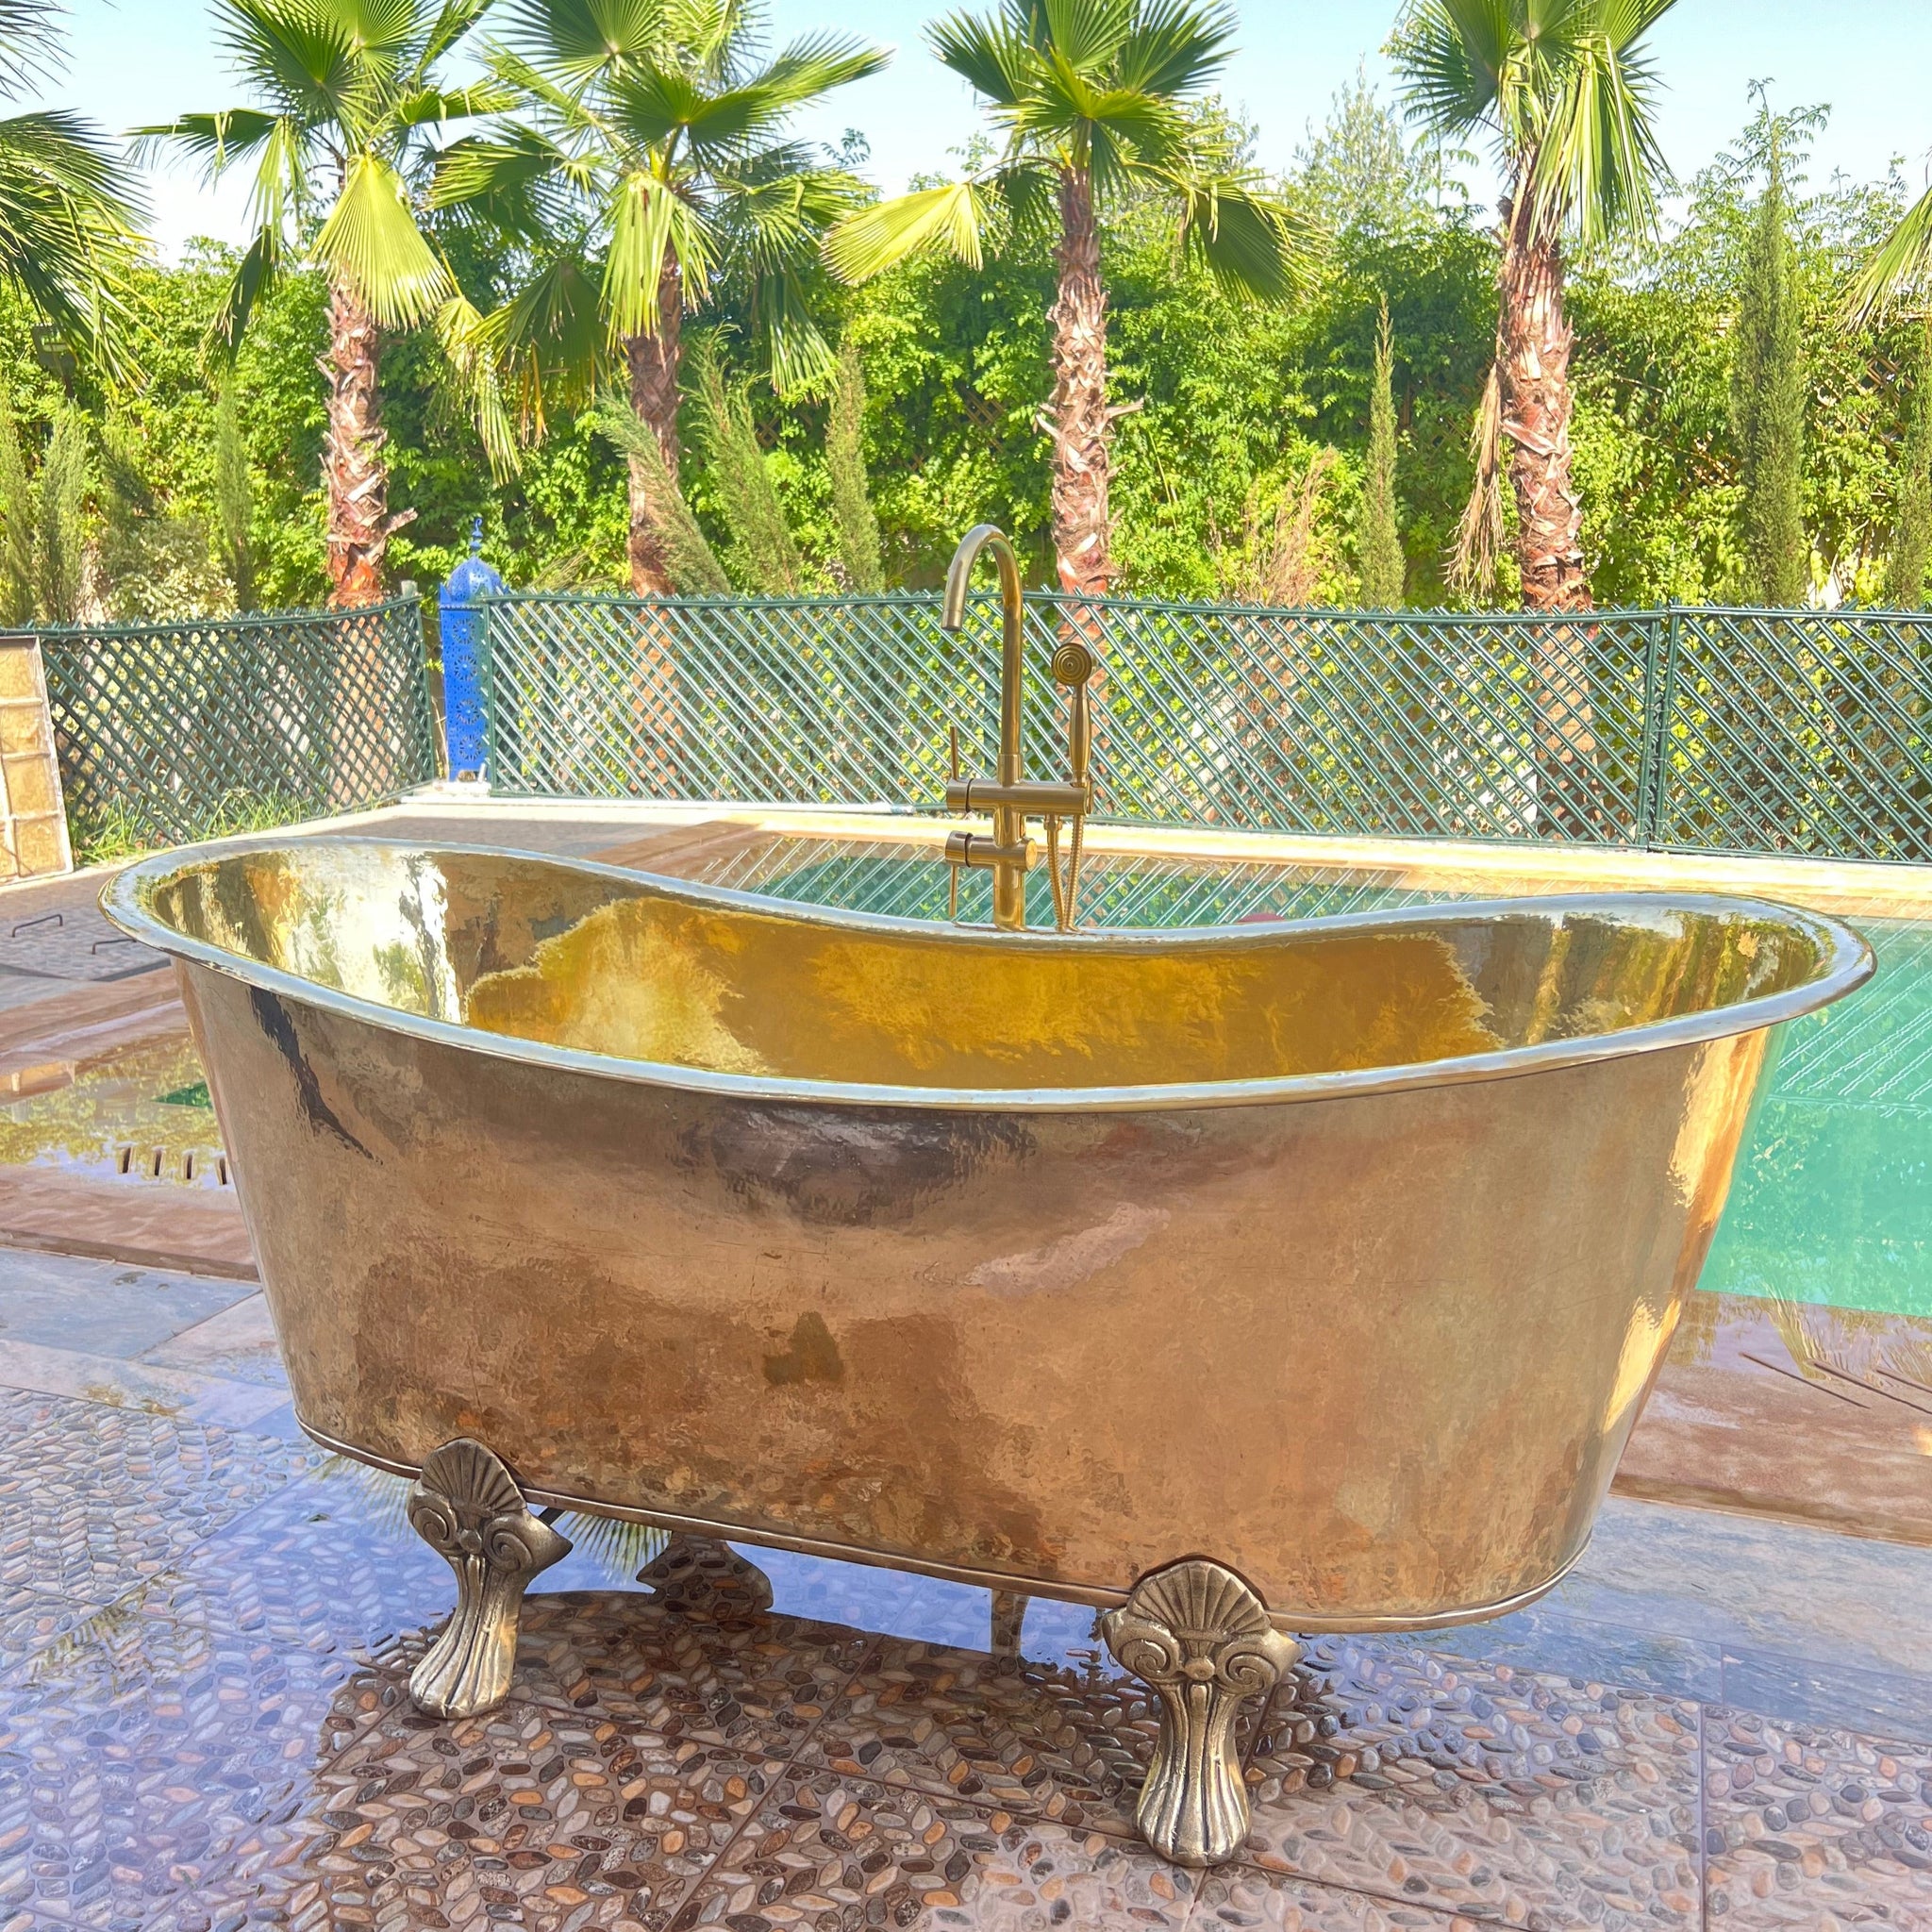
(1338,1257)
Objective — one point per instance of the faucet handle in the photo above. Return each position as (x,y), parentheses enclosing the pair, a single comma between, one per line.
(954,729)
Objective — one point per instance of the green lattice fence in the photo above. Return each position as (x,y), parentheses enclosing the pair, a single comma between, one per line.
(1796,731)
(1696,730)
(177,731)
(1495,728)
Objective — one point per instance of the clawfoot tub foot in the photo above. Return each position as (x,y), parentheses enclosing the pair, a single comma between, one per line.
(1200,1639)
(1008,1620)
(704,1577)
(466,1506)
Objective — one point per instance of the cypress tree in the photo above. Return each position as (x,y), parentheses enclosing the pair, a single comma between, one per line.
(765,551)
(852,510)
(1378,542)
(1768,401)
(689,562)
(60,534)
(234,501)
(1911,533)
(17,515)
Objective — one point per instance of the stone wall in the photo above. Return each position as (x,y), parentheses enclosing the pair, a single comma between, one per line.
(33,820)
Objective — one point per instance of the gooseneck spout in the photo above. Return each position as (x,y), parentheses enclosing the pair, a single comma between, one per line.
(1009,797)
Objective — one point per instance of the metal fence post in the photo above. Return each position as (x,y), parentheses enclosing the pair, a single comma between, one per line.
(1660,702)
(1658,629)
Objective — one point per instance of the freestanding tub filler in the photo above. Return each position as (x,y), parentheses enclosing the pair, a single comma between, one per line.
(1261,1280)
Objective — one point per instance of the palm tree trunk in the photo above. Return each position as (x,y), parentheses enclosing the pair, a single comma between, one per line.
(1082,532)
(654,394)
(1533,360)
(1533,368)
(355,474)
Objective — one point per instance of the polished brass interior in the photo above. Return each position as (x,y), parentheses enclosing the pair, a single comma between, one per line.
(680,977)
(1012,798)
(1344,1252)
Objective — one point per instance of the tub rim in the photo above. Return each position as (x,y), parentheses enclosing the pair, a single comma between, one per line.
(1847,963)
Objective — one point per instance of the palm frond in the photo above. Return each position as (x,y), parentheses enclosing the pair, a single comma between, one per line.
(538,90)
(1253,243)
(1027,195)
(1175,47)
(302,57)
(371,241)
(778,207)
(1598,164)
(1081,37)
(648,222)
(1112,131)
(549,340)
(436,107)
(1450,56)
(391,31)
(253,275)
(1565,89)
(798,354)
(1479,533)
(810,68)
(1899,266)
(497,178)
(467,355)
(950,220)
(32,46)
(67,226)
(217,140)
(453,19)
(652,102)
(581,40)
(991,57)
(282,193)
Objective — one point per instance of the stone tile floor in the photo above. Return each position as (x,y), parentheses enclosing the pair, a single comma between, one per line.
(206,1627)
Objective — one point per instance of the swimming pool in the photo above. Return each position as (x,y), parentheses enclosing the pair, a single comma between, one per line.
(1832,1198)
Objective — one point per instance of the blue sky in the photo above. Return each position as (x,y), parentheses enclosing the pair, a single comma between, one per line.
(137,60)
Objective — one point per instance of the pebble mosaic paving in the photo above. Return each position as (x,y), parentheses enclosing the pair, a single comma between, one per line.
(206,1631)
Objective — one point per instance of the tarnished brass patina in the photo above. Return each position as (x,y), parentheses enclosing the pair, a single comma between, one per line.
(466,1506)
(1012,798)
(1344,1252)
(1200,1639)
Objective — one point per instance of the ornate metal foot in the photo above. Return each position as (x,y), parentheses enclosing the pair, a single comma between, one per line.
(1200,1638)
(702,1578)
(467,1508)
(1009,1617)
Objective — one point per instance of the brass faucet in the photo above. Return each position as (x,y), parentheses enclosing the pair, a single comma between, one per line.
(1011,798)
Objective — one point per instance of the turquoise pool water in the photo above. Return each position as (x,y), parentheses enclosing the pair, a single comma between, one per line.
(1832,1198)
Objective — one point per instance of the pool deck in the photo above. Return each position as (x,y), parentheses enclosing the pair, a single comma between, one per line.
(208,1625)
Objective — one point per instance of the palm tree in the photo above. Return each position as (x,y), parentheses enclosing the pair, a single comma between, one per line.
(645,174)
(351,104)
(1900,265)
(1567,94)
(1090,97)
(68,214)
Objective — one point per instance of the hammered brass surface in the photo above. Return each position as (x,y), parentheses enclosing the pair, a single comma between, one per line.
(1377,1348)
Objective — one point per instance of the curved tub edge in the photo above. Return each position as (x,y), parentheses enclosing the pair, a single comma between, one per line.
(1847,963)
